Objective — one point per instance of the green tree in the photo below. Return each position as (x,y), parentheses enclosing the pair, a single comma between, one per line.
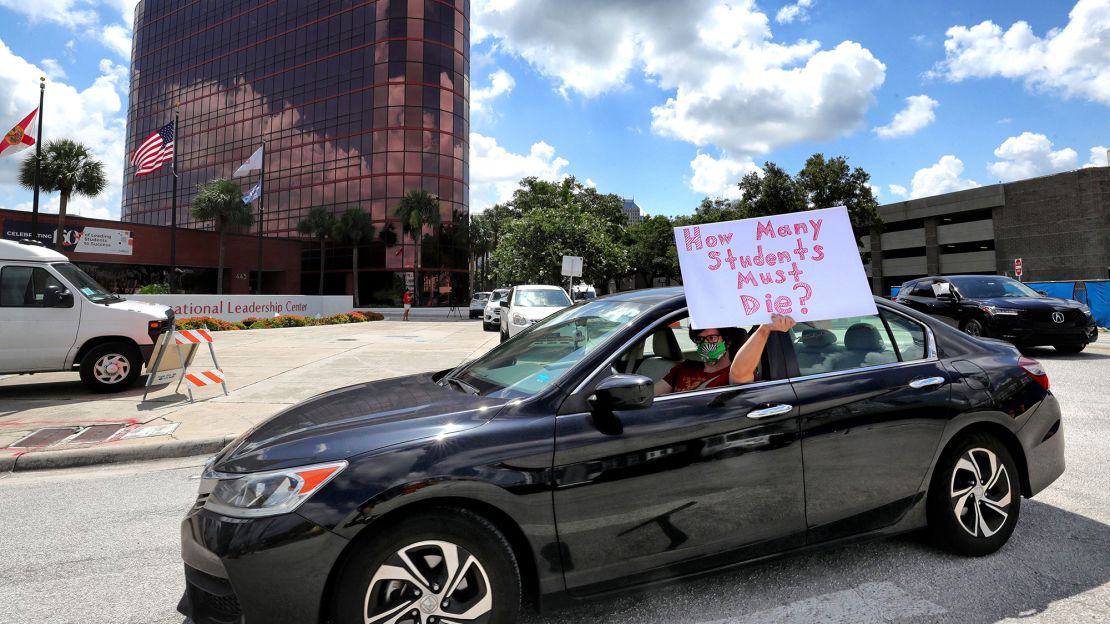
(67,167)
(319,223)
(479,250)
(831,182)
(416,210)
(651,250)
(221,201)
(772,193)
(354,228)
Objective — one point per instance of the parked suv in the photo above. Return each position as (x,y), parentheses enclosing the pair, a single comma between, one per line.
(478,304)
(491,316)
(1001,307)
(527,304)
(54,317)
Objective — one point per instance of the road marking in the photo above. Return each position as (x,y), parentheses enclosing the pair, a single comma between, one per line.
(870,602)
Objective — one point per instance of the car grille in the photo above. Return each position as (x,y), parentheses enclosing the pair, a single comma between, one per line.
(211,600)
(1042,319)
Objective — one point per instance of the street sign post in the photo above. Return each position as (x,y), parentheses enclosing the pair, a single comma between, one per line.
(1017,268)
(572,268)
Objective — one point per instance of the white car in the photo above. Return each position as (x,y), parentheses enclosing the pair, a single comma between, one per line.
(525,305)
(478,304)
(491,316)
(54,317)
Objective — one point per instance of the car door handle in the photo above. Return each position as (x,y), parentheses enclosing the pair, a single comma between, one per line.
(927,382)
(774,410)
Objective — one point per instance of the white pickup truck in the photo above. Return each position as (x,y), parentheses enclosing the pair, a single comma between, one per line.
(54,317)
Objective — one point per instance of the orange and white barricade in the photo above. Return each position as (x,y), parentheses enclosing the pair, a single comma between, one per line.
(184,344)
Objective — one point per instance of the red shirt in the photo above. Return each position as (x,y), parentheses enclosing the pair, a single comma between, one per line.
(687,376)
(407,298)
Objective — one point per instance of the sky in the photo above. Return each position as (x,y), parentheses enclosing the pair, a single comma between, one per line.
(670,101)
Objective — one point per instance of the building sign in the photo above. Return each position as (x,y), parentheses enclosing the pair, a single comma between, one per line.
(76,238)
(1017,267)
(805,264)
(238,307)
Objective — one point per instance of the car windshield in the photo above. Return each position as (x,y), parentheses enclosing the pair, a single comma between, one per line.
(988,287)
(537,298)
(496,296)
(481,296)
(81,281)
(543,353)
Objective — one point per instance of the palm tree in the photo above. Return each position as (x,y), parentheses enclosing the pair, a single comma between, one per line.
(417,209)
(67,167)
(354,228)
(320,224)
(222,201)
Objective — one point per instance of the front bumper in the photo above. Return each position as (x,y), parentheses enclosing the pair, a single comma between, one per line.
(1039,334)
(255,571)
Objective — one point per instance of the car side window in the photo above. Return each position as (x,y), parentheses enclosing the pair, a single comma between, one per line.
(842,344)
(924,289)
(909,336)
(25,287)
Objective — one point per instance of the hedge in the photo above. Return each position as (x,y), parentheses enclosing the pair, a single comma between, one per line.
(273,322)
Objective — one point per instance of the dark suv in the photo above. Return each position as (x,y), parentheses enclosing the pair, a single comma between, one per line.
(1001,307)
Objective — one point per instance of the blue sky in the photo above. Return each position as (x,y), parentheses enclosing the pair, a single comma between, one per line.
(672,100)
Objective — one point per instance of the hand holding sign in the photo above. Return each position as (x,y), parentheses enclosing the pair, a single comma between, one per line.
(802,264)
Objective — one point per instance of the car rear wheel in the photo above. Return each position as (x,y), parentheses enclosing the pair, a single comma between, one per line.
(111,367)
(441,566)
(504,335)
(1069,348)
(975,497)
(974,327)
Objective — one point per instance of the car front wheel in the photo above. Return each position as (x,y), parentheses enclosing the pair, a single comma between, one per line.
(441,566)
(974,327)
(111,367)
(975,497)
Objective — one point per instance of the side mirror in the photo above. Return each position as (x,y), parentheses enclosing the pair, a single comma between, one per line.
(623,392)
(55,296)
(1042,293)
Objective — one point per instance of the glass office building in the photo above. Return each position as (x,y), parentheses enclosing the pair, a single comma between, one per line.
(359,102)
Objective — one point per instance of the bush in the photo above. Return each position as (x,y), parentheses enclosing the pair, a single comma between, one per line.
(206,322)
(154,289)
(337,319)
(250,320)
(254,322)
(373,316)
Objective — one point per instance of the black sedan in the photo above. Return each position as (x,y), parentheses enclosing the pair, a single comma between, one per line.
(545,471)
(1001,307)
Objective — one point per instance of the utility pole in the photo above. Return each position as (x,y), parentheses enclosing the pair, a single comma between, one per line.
(173,201)
(261,199)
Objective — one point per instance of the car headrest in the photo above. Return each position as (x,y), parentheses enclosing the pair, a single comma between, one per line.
(816,338)
(665,345)
(863,337)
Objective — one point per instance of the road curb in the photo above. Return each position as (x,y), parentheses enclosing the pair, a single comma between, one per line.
(111,454)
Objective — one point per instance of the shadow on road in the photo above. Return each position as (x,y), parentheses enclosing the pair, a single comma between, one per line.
(1048,353)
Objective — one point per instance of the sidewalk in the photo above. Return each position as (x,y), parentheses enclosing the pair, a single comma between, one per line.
(267,371)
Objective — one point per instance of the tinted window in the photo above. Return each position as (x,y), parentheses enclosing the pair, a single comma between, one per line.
(923,289)
(992,286)
(909,336)
(25,287)
(541,298)
(842,344)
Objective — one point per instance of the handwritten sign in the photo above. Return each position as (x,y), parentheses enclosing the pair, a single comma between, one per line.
(805,264)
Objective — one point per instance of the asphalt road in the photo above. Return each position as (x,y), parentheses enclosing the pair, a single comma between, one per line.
(100,545)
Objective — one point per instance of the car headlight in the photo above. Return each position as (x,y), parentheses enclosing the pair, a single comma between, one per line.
(997,311)
(259,494)
(1086,309)
(520,320)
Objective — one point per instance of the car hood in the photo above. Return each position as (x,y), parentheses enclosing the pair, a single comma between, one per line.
(1030,303)
(357,419)
(537,313)
(154,310)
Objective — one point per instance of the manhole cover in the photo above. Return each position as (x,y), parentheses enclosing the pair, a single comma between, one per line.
(96,433)
(44,437)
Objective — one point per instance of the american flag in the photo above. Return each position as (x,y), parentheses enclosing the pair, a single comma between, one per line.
(155,150)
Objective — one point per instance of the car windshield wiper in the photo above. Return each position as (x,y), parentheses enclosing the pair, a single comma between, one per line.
(465,387)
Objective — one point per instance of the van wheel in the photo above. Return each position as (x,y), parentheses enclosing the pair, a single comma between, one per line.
(111,367)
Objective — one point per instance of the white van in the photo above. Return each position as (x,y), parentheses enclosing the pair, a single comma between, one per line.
(54,317)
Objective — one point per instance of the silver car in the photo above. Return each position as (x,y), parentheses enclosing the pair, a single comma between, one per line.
(478,304)
(491,317)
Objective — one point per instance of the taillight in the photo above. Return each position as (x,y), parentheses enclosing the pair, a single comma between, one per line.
(1034,369)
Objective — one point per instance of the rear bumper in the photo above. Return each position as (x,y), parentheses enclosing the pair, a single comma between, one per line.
(1043,440)
(255,571)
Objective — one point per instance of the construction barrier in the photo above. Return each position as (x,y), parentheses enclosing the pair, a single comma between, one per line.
(1098,298)
(1063,290)
(173,354)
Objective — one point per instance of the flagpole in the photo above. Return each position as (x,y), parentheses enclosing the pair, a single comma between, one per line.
(173,202)
(38,161)
(261,199)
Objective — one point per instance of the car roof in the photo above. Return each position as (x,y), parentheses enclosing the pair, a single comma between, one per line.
(538,287)
(28,252)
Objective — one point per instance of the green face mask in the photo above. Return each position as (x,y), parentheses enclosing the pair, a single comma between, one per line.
(711,352)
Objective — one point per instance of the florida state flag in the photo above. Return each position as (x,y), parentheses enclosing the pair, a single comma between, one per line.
(17,139)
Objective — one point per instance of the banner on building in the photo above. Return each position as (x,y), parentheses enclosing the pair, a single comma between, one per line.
(76,239)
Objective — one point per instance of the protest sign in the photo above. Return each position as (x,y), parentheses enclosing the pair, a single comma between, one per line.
(804,264)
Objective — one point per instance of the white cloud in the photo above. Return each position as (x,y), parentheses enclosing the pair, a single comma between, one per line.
(1029,155)
(70,13)
(495,172)
(117,38)
(897,190)
(876,190)
(718,177)
(917,114)
(501,82)
(1073,60)
(791,12)
(1098,157)
(589,183)
(731,85)
(93,115)
(53,69)
(943,177)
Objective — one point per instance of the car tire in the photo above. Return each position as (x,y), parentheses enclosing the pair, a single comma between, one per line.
(111,367)
(504,335)
(975,497)
(1069,348)
(486,326)
(386,573)
(974,327)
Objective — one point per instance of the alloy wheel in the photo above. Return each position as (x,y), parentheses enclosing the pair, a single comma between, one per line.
(980,492)
(111,368)
(429,582)
(973,328)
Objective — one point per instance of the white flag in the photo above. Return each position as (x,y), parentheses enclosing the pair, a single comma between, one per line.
(254,163)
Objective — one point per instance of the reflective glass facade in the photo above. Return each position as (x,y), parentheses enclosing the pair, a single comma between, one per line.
(359,102)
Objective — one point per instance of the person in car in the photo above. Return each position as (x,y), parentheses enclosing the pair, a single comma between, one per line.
(722,364)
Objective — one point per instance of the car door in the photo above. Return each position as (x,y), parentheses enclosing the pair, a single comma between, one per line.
(34,337)
(697,479)
(873,400)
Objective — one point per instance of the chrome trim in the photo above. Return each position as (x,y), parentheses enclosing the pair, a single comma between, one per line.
(917,384)
(719,389)
(774,410)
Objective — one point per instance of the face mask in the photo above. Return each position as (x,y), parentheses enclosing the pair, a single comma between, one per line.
(711,352)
